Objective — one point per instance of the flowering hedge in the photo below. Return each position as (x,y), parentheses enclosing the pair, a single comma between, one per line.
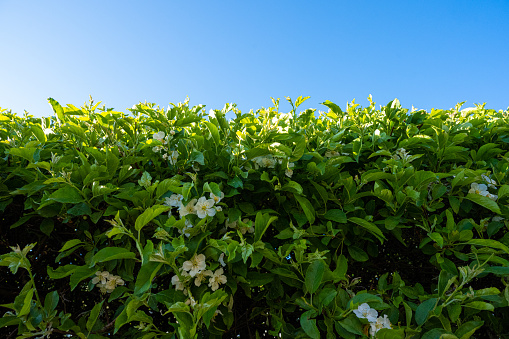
(178,223)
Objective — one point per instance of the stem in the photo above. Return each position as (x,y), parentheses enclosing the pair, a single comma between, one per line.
(33,285)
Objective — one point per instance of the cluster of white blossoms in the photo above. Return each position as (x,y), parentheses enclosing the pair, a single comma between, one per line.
(171,156)
(249,228)
(201,207)
(482,189)
(401,153)
(376,323)
(55,158)
(267,161)
(107,281)
(196,268)
(331,154)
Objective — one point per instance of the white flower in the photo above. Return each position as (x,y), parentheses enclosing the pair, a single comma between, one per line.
(188,226)
(55,158)
(218,208)
(221,260)
(195,265)
(106,282)
(159,136)
(174,200)
(173,156)
(497,218)
(172,132)
(330,154)
(265,161)
(249,228)
(232,224)
(118,280)
(216,279)
(366,312)
(289,170)
(205,207)
(268,161)
(216,198)
(146,180)
(156,149)
(179,285)
(379,324)
(101,277)
(187,209)
(480,189)
(491,183)
(492,196)
(201,277)
(191,302)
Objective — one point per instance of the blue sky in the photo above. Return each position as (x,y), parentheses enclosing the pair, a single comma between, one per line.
(425,53)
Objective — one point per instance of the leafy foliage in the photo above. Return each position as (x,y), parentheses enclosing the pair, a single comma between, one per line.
(166,223)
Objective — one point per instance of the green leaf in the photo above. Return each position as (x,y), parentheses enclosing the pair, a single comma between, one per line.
(293,187)
(262,222)
(341,266)
(357,254)
(111,253)
(38,132)
(361,298)
(484,202)
(336,215)
(399,333)
(503,191)
(306,206)
(314,275)
(59,111)
(352,324)
(149,214)
(480,305)
(79,274)
(408,314)
(214,132)
(333,107)
(436,333)
(27,303)
(423,310)
(112,162)
(71,243)
(369,226)
(259,279)
(94,314)
(198,157)
(145,276)
(47,226)
(454,311)
(8,320)
(309,325)
(80,209)
(437,238)
(299,149)
(51,301)
(67,195)
(377,176)
(466,330)
(61,271)
(488,243)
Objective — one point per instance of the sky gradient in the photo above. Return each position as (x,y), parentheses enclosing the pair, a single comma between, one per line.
(429,54)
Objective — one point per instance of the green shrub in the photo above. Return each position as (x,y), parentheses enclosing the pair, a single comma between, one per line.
(175,223)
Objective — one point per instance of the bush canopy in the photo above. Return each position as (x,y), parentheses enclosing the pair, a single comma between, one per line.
(179,223)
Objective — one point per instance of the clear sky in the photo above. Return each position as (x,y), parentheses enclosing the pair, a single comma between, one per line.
(426,53)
